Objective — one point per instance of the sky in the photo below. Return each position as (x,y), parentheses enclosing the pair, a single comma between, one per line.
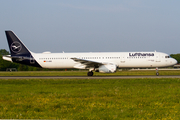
(93,25)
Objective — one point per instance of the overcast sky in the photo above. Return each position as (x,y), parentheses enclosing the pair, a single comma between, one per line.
(93,25)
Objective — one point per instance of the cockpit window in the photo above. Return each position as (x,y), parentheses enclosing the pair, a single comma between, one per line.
(167,56)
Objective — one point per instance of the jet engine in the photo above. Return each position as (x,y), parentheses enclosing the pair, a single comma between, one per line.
(109,68)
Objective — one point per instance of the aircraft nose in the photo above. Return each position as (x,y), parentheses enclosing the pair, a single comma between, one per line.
(174,61)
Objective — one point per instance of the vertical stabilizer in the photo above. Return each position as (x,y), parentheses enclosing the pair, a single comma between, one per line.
(15,45)
(19,52)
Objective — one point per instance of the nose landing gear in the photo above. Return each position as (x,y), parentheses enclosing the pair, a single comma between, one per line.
(157,73)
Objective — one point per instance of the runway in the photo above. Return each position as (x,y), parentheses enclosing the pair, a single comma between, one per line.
(84,77)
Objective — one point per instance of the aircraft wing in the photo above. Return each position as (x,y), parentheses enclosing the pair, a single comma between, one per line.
(88,63)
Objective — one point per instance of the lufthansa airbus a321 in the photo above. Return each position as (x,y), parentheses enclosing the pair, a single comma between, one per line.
(107,62)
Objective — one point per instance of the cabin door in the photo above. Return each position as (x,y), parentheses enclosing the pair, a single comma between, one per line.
(122,59)
(158,58)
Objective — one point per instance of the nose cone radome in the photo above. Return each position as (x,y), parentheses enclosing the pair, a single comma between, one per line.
(174,61)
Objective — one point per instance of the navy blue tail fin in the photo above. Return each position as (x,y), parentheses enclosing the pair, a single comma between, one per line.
(15,45)
(19,52)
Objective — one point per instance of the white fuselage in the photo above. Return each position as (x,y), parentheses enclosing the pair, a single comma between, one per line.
(120,59)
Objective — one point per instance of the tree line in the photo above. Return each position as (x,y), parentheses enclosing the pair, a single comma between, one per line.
(6,64)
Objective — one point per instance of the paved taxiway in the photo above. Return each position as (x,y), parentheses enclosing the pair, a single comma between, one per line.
(84,77)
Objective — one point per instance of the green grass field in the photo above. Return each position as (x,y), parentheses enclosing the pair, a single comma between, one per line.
(90,99)
(84,73)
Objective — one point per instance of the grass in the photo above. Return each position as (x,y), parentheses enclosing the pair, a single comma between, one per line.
(84,73)
(90,99)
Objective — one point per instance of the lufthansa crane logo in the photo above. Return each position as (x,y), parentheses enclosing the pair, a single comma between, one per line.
(16,47)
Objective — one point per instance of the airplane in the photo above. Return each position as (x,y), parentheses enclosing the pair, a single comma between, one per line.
(104,62)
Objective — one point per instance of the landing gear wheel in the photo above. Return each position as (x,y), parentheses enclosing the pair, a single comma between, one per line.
(90,73)
(157,74)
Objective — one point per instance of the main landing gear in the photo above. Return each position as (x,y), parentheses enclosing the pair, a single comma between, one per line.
(90,73)
(157,73)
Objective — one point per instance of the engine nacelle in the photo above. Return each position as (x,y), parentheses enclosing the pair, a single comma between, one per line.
(109,68)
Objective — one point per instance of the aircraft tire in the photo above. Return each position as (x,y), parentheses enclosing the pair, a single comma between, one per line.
(90,73)
(157,74)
